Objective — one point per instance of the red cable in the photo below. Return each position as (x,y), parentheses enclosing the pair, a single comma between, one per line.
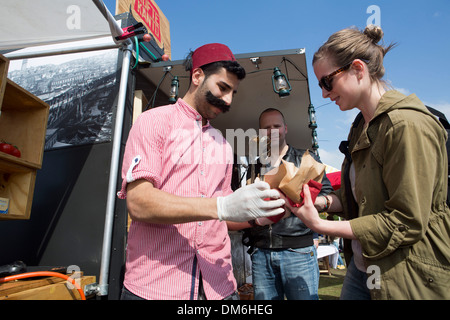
(45,274)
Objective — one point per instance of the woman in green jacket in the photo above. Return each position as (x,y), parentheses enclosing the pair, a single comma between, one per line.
(394,180)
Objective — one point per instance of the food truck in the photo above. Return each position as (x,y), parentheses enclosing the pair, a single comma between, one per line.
(70,121)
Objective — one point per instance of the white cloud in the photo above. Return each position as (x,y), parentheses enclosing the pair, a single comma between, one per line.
(443,107)
(350,117)
(331,158)
(406,92)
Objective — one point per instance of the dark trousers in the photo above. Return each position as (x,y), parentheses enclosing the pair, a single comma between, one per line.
(127,295)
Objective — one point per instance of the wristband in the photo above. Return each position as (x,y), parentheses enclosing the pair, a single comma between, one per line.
(327,203)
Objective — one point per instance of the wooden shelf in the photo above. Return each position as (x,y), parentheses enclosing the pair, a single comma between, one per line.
(23,123)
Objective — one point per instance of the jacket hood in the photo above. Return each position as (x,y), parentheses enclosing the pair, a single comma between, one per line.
(393,99)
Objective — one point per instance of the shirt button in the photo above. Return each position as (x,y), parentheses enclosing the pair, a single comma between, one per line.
(201,172)
(200,223)
(198,117)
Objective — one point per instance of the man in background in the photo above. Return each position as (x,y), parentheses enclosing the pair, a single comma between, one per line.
(284,258)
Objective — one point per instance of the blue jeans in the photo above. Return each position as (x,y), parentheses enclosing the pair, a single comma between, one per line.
(355,284)
(340,262)
(290,273)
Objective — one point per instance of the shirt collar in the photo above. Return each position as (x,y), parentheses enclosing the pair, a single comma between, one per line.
(189,111)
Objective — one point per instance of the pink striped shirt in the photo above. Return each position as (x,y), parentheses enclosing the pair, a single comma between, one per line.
(169,147)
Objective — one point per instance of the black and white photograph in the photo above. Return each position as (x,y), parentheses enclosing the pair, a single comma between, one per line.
(81,89)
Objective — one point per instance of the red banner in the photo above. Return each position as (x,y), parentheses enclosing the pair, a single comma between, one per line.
(148,12)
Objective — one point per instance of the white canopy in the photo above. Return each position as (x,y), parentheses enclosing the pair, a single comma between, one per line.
(28,23)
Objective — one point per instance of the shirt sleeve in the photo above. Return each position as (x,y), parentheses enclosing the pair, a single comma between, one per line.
(226,186)
(143,152)
(227,181)
(409,171)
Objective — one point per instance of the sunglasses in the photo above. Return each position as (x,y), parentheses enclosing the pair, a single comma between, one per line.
(326,81)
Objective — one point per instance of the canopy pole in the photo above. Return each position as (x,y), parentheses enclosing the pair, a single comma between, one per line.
(113,174)
(114,170)
(50,51)
(113,26)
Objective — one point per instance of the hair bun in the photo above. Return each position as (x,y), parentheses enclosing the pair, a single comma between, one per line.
(375,33)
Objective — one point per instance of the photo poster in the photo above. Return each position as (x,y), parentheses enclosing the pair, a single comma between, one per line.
(81,90)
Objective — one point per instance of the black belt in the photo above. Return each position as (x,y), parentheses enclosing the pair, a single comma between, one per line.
(284,242)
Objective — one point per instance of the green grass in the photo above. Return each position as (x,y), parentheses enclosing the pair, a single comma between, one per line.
(330,286)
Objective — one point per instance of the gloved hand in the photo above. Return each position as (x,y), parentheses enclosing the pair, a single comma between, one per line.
(247,203)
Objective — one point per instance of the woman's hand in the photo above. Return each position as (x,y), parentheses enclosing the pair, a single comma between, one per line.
(310,217)
(307,213)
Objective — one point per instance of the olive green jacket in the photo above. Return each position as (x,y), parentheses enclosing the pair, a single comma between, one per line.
(402,220)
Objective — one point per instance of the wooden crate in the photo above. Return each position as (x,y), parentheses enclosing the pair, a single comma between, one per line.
(23,123)
(16,190)
(47,288)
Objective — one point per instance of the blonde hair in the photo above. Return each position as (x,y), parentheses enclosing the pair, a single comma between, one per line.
(349,44)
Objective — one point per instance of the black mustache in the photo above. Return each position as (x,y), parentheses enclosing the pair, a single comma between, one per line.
(219,103)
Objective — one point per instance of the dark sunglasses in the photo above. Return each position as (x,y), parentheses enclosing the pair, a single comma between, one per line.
(326,81)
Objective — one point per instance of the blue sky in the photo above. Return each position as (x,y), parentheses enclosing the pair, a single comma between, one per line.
(420,63)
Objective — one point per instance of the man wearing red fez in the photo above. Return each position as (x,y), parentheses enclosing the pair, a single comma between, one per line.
(176,175)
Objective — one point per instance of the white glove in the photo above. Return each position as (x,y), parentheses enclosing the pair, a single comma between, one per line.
(247,203)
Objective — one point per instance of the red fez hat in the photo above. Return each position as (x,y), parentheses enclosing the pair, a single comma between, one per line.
(210,53)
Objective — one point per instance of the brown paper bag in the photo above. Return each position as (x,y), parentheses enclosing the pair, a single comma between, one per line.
(290,179)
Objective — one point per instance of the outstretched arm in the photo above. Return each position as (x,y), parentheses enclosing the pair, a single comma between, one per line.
(149,204)
(310,216)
